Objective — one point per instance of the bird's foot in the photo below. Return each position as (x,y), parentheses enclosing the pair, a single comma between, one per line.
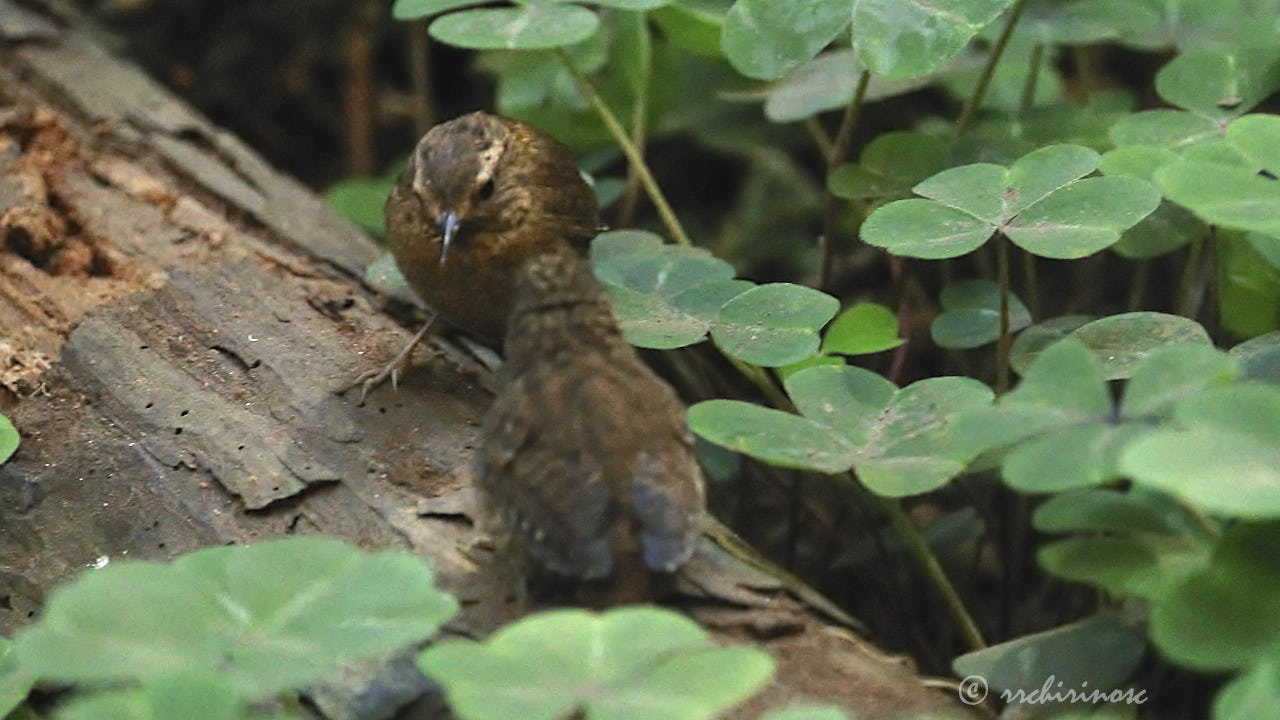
(368,380)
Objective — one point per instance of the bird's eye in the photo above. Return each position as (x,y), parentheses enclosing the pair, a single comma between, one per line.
(486,190)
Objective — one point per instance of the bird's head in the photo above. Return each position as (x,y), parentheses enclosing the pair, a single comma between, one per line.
(455,175)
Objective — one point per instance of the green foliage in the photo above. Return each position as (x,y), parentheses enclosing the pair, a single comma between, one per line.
(412,9)
(266,618)
(808,712)
(191,696)
(625,664)
(1033,340)
(1041,203)
(970,315)
(1171,226)
(9,438)
(764,39)
(1224,617)
(529,27)
(1059,425)
(897,39)
(1138,542)
(15,683)
(898,441)
(1074,23)
(1097,652)
(1220,84)
(1252,694)
(383,274)
(1232,195)
(669,296)
(1225,438)
(221,630)
(1259,358)
(360,200)
(1120,342)
(890,166)
(774,324)
(1167,494)
(1164,128)
(1007,86)
(665,296)
(828,82)
(862,329)
(1250,282)
(1214,87)
(1189,25)
(694,27)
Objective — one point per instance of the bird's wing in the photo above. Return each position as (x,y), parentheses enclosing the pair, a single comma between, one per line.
(666,495)
(549,490)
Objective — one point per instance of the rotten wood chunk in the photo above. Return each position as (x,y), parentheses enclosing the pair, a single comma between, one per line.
(179,394)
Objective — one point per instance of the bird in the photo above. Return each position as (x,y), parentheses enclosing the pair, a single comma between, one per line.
(481,194)
(586,464)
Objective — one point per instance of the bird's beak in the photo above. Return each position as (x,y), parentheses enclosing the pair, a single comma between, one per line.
(448,228)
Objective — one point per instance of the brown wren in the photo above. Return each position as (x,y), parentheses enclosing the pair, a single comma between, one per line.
(481,195)
(586,463)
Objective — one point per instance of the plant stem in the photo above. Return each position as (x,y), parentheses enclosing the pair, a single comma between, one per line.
(757,376)
(1033,76)
(984,80)
(1002,345)
(849,122)
(1139,287)
(916,543)
(1214,247)
(629,149)
(795,502)
(1032,285)
(631,196)
(1087,65)
(639,118)
(424,114)
(357,91)
(1188,302)
(820,136)
(836,157)
(763,381)
(898,274)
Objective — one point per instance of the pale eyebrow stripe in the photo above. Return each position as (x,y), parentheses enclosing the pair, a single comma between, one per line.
(420,182)
(489,160)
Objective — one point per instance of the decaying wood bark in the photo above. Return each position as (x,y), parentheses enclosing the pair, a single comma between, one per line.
(176,321)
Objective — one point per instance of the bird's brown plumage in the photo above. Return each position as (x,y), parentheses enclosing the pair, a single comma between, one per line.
(586,466)
(515,193)
(586,460)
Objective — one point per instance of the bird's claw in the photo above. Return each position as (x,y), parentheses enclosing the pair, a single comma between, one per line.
(368,380)
(371,379)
